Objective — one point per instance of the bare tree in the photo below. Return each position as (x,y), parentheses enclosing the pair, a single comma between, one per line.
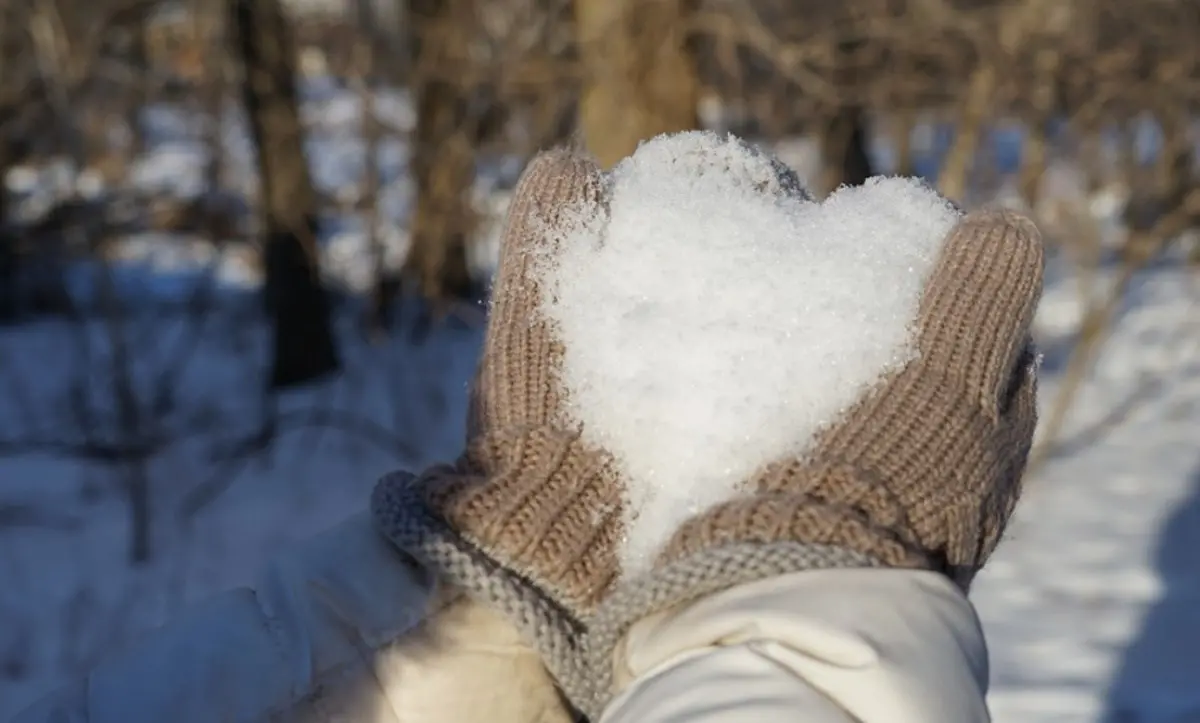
(304,346)
(639,74)
(18,89)
(844,136)
(8,244)
(443,151)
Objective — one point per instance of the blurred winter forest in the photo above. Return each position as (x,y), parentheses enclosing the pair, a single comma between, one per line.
(245,243)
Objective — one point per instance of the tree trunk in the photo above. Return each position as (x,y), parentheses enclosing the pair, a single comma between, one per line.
(303,347)
(443,160)
(979,100)
(904,123)
(8,251)
(640,77)
(844,137)
(844,150)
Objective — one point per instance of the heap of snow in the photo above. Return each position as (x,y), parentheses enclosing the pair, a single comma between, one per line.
(715,318)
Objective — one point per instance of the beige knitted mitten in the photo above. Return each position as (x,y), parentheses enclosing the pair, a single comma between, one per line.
(925,471)
(922,473)
(527,520)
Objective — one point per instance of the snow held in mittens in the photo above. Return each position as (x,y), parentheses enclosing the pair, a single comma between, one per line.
(714,322)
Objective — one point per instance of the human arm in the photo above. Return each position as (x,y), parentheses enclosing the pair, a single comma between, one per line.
(830,646)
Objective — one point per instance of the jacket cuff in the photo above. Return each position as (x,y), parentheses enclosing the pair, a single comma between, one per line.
(868,645)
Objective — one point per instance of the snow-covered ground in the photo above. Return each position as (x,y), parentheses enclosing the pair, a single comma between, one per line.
(1092,605)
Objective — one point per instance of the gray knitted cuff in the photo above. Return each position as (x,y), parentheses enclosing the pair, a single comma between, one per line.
(402,517)
(579,654)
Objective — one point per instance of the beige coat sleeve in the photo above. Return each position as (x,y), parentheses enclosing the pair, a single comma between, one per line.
(340,628)
(839,646)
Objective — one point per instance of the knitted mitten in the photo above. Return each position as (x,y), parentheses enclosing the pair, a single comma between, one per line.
(527,519)
(922,473)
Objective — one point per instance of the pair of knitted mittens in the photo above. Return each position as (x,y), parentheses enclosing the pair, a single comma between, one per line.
(922,472)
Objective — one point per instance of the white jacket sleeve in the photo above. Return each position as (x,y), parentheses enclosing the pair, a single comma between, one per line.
(838,646)
(341,627)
